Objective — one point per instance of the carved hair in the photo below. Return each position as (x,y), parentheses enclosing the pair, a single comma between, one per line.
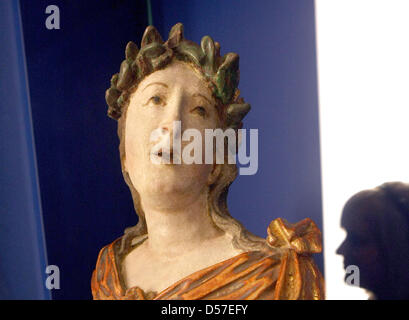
(222,76)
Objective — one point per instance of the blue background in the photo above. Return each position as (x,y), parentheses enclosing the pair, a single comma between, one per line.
(75,166)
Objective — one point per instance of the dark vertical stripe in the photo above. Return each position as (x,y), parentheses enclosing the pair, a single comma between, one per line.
(150,19)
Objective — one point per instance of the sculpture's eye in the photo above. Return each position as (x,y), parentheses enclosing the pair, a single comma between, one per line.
(201,111)
(156,100)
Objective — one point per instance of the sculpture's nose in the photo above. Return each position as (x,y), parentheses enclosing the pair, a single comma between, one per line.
(172,121)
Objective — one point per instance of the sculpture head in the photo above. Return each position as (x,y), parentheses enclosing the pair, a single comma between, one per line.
(198,88)
(377,241)
(167,102)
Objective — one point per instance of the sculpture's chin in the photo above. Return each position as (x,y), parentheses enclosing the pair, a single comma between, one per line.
(167,187)
(170,191)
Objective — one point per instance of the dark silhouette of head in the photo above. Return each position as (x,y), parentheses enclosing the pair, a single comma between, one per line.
(377,241)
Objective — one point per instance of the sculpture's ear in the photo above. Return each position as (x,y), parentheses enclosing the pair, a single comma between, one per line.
(217,168)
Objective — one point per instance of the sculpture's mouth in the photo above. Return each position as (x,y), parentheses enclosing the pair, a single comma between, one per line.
(165,154)
(167,157)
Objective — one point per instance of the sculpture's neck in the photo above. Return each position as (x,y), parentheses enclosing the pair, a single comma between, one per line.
(176,231)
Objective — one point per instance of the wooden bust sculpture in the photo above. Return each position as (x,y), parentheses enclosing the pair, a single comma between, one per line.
(186,244)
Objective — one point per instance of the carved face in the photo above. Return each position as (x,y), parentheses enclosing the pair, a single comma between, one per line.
(176,93)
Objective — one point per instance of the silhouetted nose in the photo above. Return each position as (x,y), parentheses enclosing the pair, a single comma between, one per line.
(341,249)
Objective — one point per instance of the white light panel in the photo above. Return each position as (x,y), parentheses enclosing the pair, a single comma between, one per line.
(363,72)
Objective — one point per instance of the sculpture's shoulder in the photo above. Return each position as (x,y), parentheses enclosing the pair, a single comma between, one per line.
(287,270)
(105,281)
(299,277)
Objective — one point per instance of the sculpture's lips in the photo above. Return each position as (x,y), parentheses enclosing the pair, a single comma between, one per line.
(167,156)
